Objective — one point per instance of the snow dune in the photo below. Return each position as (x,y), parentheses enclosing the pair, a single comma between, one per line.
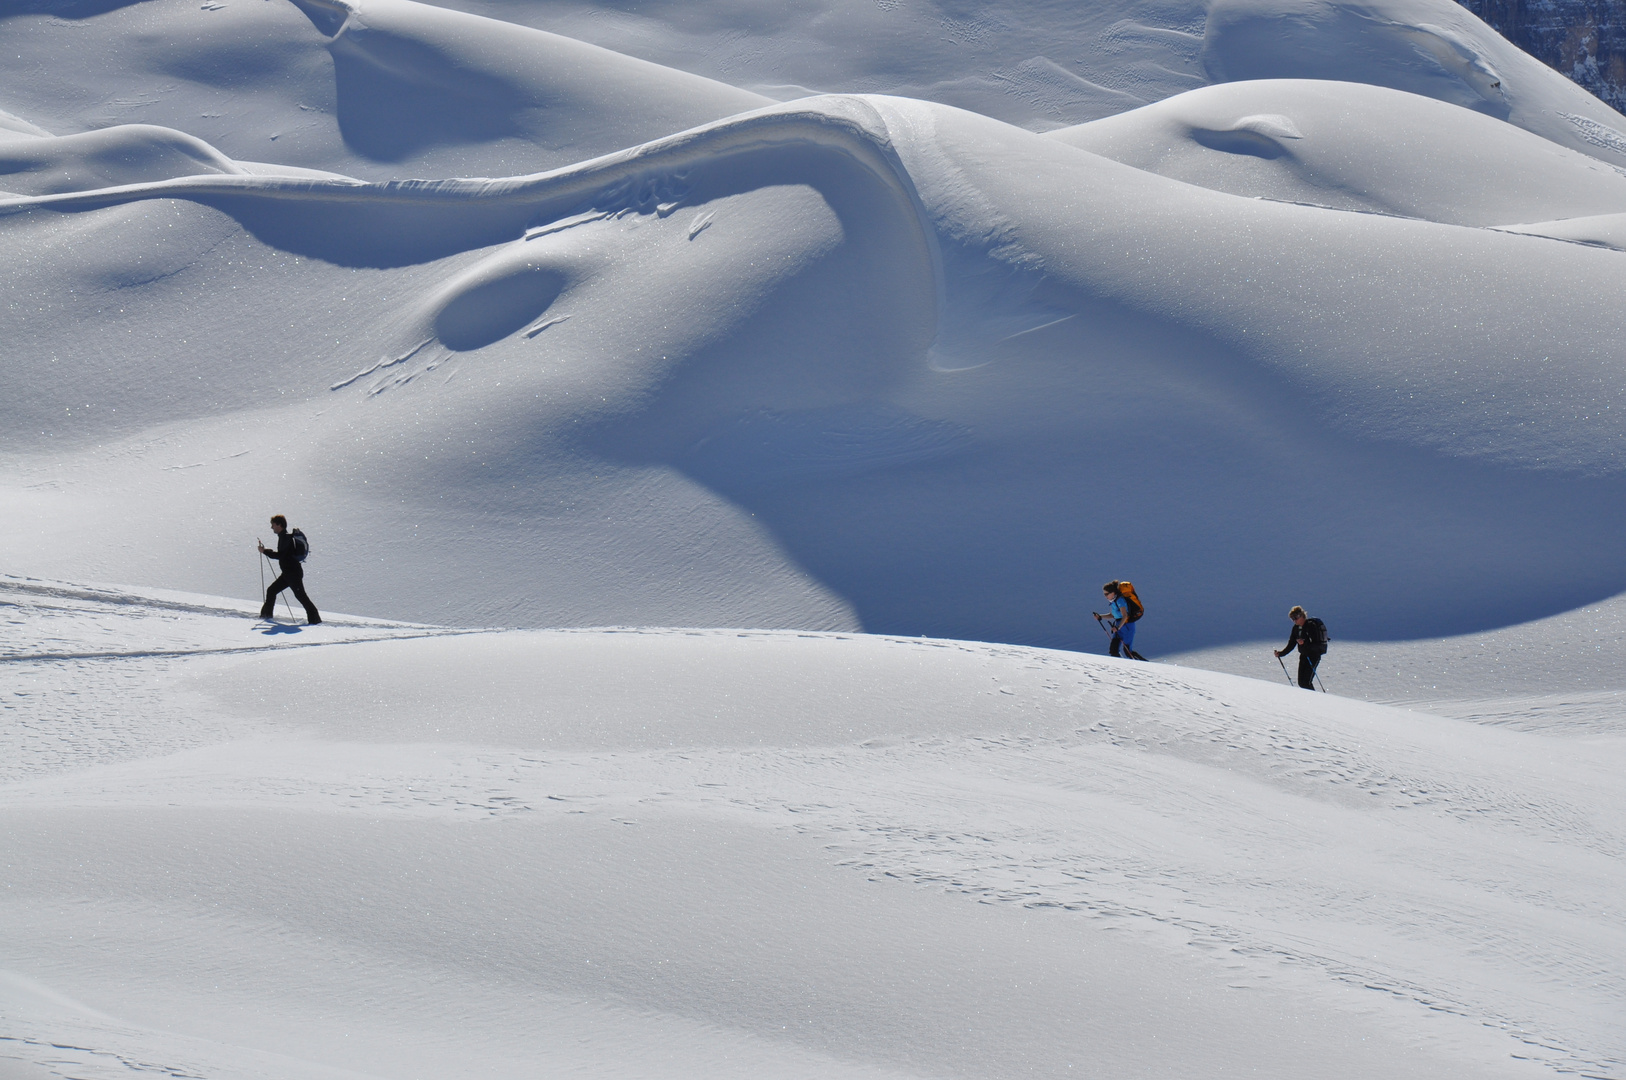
(411,77)
(730,853)
(110,157)
(892,346)
(1432,48)
(1604,230)
(611,320)
(1043,64)
(1351,146)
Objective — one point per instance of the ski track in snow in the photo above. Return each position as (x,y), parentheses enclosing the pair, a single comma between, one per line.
(65,654)
(1075,813)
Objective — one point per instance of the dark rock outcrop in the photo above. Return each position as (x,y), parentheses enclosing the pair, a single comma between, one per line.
(1583,39)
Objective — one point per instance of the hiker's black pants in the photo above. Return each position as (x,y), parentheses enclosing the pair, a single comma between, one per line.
(292,577)
(1307,666)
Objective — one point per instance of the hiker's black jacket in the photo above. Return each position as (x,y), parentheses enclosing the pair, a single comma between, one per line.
(287,554)
(1304,640)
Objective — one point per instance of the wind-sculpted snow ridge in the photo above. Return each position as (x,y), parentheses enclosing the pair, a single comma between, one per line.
(1604,230)
(1433,48)
(896,358)
(362,87)
(910,343)
(410,77)
(747,853)
(1353,146)
(398,222)
(13,126)
(355,223)
(109,157)
(641,349)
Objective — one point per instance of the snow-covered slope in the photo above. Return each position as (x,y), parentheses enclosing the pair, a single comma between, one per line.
(1039,64)
(680,853)
(1049,63)
(353,86)
(411,78)
(611,319)
(1562,675)
(1352,146)
(901,362)
(1433,48)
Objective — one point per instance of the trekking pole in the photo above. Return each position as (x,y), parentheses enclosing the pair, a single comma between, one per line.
(1317,674)
(1105,629)
(259,560)
(1282,662)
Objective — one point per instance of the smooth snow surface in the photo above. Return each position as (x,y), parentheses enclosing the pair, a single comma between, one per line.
(1433,48)
(878,328)
(365,849)
(1353,147)
(1562,675)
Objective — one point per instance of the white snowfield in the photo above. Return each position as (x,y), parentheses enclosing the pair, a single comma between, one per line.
(376,850)
(886,331)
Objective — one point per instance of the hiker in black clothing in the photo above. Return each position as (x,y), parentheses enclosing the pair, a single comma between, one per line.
(1309,636)
(288,553)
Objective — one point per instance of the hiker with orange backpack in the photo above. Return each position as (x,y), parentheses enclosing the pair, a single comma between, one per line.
(1123,612)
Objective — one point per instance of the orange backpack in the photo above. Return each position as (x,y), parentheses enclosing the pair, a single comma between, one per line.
(1127,591)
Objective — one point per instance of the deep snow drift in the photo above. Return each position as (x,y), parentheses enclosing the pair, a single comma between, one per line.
(878,317)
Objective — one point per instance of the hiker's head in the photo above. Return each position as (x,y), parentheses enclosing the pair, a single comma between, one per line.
(1111,588)
(278,523)
(1297,614)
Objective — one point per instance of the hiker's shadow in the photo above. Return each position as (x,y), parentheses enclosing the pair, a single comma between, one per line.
(280,628)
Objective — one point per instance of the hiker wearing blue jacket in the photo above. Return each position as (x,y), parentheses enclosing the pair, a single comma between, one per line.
(290,550)
(1123,611)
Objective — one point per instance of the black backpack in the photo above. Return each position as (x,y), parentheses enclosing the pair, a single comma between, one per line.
(1315,632)
(302,546)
